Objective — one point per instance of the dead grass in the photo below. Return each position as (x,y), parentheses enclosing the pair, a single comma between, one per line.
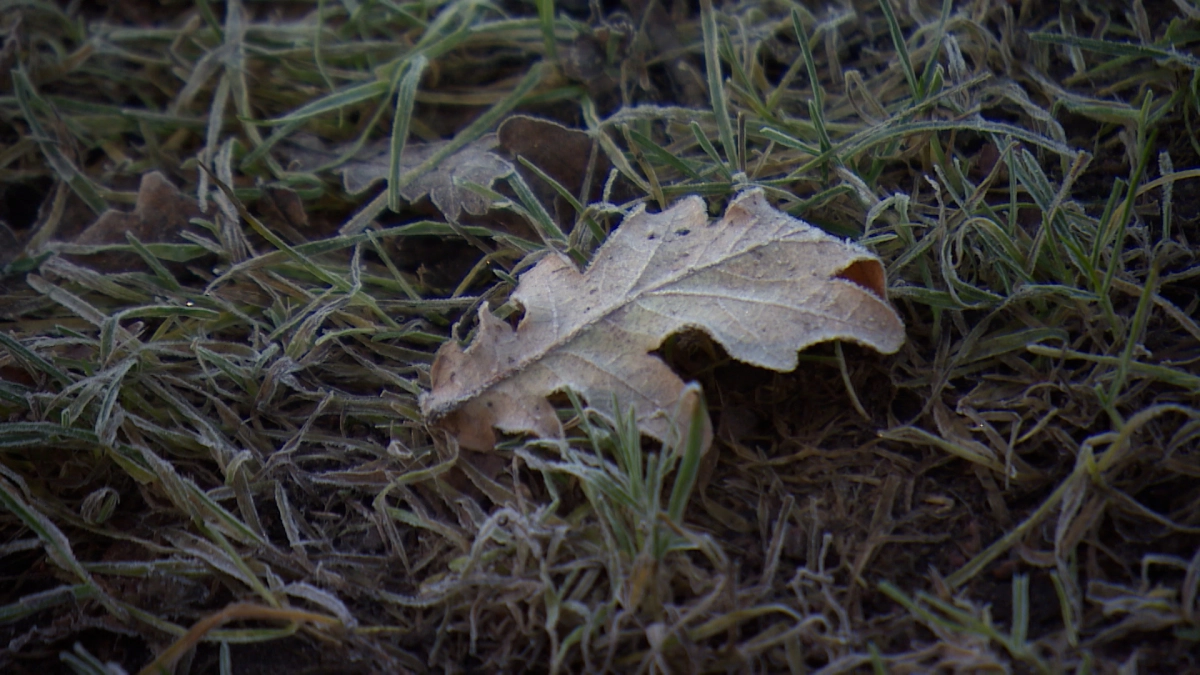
(212,459)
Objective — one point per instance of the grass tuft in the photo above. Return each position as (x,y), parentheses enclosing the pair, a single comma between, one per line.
(212,457)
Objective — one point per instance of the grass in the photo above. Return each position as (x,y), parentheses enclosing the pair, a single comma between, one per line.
(212,457)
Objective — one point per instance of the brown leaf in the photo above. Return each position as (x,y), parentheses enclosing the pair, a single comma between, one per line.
(760,282)
(562,154)
(160,214)
(283,205)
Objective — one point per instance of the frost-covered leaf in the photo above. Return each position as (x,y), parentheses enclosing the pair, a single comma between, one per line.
(475,163)
(761,283)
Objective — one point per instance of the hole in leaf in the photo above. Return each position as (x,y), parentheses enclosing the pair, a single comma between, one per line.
(868,274)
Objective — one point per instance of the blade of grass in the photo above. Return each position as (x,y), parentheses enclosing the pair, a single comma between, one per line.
(932,62)
(1119,48)
(716,82)
(690,453)
(28,100)
(1174,376)
(1112,234)
(57,545)
(594,228)
(1133,338)
(901,46)
(545,10)
(540,219)
(916,435)
(335,101)
(33,360)
(658,154)
(888,131)
(235,612)
(709,150)
(810,63)
(1020,610)
(333,280)
(406,96)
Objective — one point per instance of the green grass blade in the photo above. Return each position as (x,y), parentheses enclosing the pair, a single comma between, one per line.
(709,150)
(901,46)
(690,450)
(406,96)
(57,545)
(33,360)
(658,154)
(27,99)
(716,82)
(1119,48)
(540,219)
(335,101)
(810,63)
(932,62)
(545,10)
(1020,609)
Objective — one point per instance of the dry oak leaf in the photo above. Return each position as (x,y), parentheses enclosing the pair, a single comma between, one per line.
(761,283)
(160,215)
